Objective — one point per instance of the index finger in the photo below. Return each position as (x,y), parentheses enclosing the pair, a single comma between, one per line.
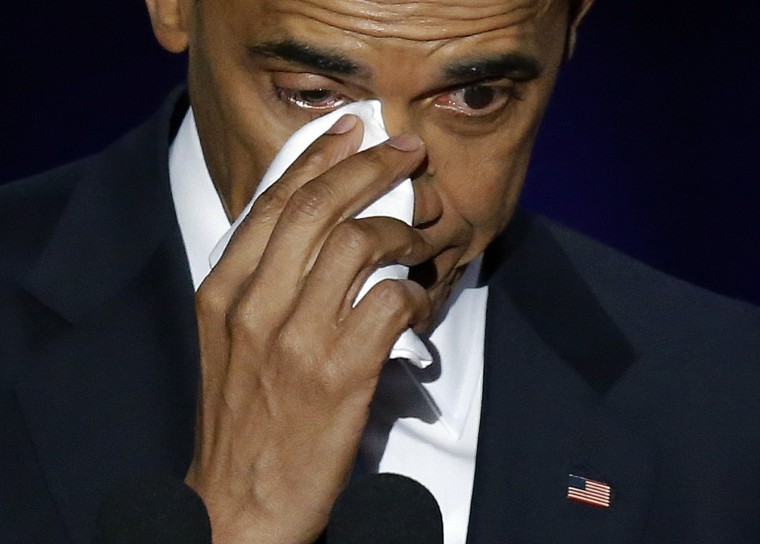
(316,208)
(242,254)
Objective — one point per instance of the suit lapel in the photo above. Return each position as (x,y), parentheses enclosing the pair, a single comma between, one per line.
(109,392)
(551,354)
(120,211)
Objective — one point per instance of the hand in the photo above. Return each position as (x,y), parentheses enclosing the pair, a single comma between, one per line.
(288,367)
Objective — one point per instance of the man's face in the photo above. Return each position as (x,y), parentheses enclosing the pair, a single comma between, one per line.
(471,77)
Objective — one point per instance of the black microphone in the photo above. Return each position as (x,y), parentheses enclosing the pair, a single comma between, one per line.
(153,511)
(387,509)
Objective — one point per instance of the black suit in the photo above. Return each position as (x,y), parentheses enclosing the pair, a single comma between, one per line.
(595,365)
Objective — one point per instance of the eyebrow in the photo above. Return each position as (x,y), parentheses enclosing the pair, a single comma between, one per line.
(309,56)
(511,65)
(515,66)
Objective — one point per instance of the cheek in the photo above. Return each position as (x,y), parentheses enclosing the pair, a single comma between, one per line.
(479,181)
(233,104)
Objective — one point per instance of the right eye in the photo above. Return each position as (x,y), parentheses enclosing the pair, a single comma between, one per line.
(320,99)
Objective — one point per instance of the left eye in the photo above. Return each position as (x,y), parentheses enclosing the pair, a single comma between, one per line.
(475,100)
(312,99)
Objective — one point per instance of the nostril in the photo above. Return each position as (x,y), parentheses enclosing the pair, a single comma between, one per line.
(428,206)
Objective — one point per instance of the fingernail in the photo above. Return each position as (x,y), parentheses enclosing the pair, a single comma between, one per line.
(405,142)
(343,125)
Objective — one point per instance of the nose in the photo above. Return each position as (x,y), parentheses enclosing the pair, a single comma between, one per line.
(397,118)
(428,206)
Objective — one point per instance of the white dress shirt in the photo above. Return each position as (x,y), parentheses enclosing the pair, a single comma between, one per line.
(424,423)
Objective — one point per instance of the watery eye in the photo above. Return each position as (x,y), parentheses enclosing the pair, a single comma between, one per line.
(475,100)
(312,99)
(317,96)
(478,97)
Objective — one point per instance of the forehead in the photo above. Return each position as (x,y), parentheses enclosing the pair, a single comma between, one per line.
(408,20)
(431,24)
(397,35)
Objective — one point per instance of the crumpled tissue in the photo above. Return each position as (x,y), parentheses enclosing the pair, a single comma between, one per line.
(397,203)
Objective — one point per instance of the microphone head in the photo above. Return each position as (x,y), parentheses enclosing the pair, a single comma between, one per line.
(387,509)
(153,511)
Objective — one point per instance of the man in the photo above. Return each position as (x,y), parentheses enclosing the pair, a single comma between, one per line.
(596,370)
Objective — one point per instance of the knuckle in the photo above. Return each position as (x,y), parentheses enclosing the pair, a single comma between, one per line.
(392,299)
(272,201)
(379,157)
(353,238)
(308,364)
(276,198)
(316,159)
(236,320)
(373,162)
(329,380)
(312,201)
(241,321)
(210,299)
(290,343)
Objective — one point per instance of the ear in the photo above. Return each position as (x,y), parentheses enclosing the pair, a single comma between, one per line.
(170,21)
(578,11)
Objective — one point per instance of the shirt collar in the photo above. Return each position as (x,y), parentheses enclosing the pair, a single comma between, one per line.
(457,344)
(200,214)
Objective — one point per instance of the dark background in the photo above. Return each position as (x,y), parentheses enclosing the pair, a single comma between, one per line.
(650,145)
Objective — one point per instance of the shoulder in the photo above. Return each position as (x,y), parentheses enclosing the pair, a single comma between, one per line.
(577,291)
(694,354)
(656,307)
(84,194)
(30,208)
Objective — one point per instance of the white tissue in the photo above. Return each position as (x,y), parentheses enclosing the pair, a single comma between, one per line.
(397,203)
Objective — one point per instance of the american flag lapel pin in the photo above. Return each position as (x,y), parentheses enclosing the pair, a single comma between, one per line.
(589,491)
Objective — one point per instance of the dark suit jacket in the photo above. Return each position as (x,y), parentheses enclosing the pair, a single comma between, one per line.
(595,365)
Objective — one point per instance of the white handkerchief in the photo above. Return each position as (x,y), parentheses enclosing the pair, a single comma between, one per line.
(397,203)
